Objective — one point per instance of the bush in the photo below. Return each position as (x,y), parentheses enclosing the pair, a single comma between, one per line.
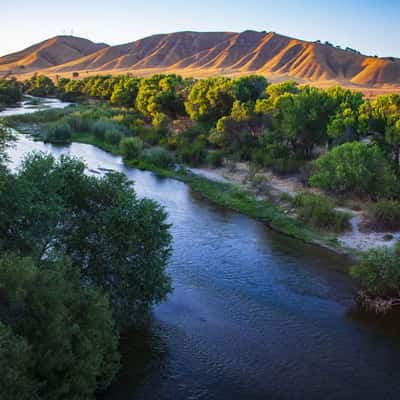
(104,127)
(379,274)
(285,166)
(159,157)
(320,212)
(131,148)
(193,154)
(358,168)
(215,158)
(113,136)
(386,214)
(79,123)
(59,133)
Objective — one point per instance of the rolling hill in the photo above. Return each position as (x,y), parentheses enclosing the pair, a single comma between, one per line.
(203,54)
(49,53)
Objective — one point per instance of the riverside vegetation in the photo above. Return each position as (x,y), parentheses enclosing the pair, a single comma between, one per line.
(338,141)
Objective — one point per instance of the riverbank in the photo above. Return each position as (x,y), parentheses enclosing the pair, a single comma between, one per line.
(233,196)
(225,193)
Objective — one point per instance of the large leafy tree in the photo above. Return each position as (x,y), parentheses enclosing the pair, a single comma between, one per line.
(125,92)
(161,94)
(210,99)
(40,85)
(118,242)
(57,337)
(302,118)
(10,92)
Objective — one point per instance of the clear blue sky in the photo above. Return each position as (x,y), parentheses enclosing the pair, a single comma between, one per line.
(372,27)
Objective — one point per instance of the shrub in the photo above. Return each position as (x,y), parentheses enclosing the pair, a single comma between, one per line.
(386,214)
(159,157)
(113,136)
(355,167)
(215,158)
(59,132)
(379,274)
(102,126)
(193,154)
(285,166)
(160,122)
(150,136)
(131,148)
(79,123)
(320,212)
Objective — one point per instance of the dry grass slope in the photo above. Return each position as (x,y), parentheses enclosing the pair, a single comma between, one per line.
(202,54)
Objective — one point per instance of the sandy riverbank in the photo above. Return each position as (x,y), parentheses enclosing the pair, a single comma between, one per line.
(357,238)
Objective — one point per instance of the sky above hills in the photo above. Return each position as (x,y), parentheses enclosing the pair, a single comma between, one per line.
(370,26)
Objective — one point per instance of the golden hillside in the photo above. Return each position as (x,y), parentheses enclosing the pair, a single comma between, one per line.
(49,53)
(210,53)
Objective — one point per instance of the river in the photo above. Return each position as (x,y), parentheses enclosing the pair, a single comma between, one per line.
(253,314)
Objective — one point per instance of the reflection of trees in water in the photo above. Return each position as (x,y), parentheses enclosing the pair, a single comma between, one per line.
(143,355)
(388,324)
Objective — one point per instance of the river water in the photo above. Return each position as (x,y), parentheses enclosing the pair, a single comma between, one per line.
(253,314)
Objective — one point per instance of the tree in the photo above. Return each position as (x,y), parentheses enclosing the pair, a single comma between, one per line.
(249,88)
(303,119)
(10,92)
(40,85)
(16,378)
(161,94)
(69,352)
(210,99)
(238,129)
(119,243)
(125,92)
(357,168)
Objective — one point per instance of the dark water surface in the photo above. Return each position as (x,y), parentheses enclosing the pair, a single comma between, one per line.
(253,315)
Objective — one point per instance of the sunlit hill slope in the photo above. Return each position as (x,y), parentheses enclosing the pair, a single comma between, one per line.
(208,53)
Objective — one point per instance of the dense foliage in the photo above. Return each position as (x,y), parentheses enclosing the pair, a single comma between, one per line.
(10,92)
(358,168)
(282,126)
(77,254)
(319,211)
(379,274)
(334,139)
(58,335)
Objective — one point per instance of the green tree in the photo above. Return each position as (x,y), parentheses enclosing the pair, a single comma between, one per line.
(357,168)
(120,243)
(210,99)
(161,94)
(249,88)
(10,92)
(125,92)
(16,365)
(40,85)
(69,352)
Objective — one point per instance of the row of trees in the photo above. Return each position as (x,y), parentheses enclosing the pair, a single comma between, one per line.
(275,125)
(81,258)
